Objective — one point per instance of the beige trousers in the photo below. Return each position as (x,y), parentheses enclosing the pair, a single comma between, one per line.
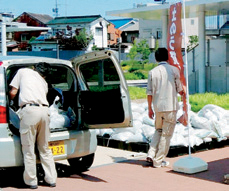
(159,147)
(34,128)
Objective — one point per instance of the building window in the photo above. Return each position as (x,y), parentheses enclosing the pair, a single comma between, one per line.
(24,37)
(159,34)
(98,31)
(192,21)
(110,36)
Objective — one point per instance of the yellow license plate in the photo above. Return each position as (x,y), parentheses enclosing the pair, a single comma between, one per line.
(57,147)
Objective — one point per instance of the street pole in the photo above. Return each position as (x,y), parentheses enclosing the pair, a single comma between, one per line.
(3,35)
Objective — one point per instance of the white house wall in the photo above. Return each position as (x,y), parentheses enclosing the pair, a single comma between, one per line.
(149,28)
(100,39)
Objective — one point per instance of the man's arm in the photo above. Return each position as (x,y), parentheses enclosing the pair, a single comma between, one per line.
(150,99)
(13,93)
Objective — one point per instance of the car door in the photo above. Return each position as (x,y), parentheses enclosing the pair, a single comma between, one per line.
(104,98)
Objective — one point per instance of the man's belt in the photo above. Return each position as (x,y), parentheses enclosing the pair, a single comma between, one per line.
(34,104)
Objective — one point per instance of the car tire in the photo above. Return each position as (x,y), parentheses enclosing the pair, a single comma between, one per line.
(81,164)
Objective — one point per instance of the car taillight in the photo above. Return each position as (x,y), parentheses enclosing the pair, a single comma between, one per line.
(3,104)
(3,118)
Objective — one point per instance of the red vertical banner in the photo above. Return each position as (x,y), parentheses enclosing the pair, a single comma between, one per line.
(174,43)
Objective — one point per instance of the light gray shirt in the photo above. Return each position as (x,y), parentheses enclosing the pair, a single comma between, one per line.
(164,84)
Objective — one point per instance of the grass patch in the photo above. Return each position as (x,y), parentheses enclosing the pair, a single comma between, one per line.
(135,71)
(137,93)
(197,101)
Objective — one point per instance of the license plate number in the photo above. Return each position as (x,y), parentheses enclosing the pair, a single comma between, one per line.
(57,147)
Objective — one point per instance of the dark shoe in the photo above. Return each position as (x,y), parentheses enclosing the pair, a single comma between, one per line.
(50,185)
(149,159)
(31,186)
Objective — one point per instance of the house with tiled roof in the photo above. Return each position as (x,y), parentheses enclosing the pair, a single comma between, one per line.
(31,19)
(94,24)
(129,28)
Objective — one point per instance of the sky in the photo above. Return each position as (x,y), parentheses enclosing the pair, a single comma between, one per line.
(68,7)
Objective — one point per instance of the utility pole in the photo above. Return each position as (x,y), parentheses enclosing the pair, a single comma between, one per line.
(56,10)
(3,35)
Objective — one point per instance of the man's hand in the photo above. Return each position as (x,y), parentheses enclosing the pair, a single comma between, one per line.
(151,114)
(183,119)
(13,92)
(149,100)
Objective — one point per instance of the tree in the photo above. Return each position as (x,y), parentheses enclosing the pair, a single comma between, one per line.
(193,41)
(94,48)
(79,41)
(144,50)
(83,38)
(133,52)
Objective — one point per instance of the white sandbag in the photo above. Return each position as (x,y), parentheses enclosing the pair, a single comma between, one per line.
(226,116)
(148,131)
(178,140)
(210,115)
(123,136)
(216,110)
(194,140)
(202,133)
(179,113)
(181,129)
(144,105)
(137,125)
(142,116)
(207,139)
(148,121)
(225,131)
(121,130)
(200,122)
(136,108)
(217,127)
(213,135)
(136,115)
(138,137)
(191,114)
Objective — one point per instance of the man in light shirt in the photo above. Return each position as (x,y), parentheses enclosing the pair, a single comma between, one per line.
(163,85)
(34,122)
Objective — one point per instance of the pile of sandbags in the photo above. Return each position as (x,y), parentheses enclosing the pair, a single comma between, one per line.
(211,122)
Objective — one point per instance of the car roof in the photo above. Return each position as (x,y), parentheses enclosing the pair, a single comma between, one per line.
(6,61)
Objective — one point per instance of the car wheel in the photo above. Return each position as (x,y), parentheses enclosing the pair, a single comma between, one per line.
(81,164)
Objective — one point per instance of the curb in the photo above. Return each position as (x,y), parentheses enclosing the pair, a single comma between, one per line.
(173,152)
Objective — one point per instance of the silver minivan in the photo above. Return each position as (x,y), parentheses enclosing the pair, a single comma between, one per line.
(92,86)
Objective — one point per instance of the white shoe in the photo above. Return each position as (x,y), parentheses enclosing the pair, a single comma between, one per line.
(163,164)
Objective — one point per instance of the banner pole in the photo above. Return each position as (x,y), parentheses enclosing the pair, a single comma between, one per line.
(189,165)
(186,74)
